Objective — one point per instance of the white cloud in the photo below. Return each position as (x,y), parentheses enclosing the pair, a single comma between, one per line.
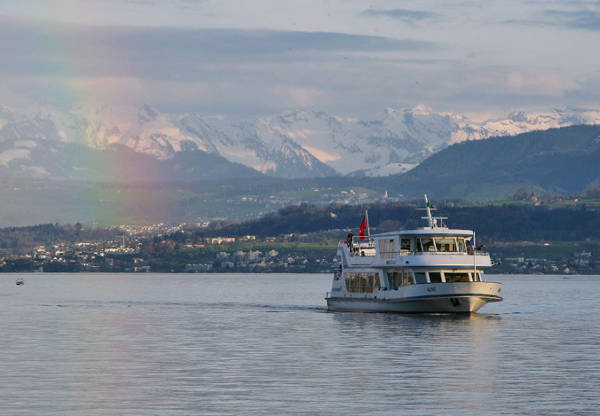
(239,57)
(538,84)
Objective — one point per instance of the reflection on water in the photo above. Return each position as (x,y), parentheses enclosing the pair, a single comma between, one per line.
(434,358)
(265,344)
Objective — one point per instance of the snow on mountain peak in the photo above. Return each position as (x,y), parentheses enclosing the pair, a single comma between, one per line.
(421,109)
(299,143)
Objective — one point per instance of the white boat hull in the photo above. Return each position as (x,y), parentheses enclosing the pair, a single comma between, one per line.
(434,298)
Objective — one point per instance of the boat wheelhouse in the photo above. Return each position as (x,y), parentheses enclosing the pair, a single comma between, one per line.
(429,269)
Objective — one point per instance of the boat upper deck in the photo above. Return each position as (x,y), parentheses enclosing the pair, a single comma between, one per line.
(432,246)
(426,250)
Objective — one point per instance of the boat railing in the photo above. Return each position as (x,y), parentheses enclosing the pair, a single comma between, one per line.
(362,252)
(442,253)
(362,248)
(366,248)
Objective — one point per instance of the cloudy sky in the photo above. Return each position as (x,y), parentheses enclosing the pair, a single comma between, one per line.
(245,58)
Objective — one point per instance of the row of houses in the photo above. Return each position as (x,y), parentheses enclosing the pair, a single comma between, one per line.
(578,262)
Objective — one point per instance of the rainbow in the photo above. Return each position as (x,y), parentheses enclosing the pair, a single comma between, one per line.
(73,70)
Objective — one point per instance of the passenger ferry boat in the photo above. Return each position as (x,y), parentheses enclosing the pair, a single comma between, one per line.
(433,269)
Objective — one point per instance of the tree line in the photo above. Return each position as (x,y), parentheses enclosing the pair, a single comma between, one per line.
(507,222)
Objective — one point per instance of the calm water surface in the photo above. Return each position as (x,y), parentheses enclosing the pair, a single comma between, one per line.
(92,344)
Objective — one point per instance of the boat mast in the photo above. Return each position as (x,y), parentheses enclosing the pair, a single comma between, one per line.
(429,218)
(474,257)
(368,228)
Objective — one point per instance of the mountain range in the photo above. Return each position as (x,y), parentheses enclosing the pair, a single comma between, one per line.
(129,144)
(134,187)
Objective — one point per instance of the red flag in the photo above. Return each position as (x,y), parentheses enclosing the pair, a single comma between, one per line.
(363,228)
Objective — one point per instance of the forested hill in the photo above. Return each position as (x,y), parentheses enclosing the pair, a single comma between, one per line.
(16,238)
(510,222)
(564,160)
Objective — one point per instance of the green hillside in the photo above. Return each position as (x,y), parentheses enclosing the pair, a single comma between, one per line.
(563,160)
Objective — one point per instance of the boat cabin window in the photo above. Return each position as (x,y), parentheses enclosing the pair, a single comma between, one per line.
(435,277)
(394,280)
(362,282)
(456,277)
(405,244)
(407,278)
(446,243)
(469,245)
(417,243)
(387,248)
(476,276)
(420,277)
(427,244)
(398,279)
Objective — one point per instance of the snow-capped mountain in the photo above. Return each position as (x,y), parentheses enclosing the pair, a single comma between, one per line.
(291,145)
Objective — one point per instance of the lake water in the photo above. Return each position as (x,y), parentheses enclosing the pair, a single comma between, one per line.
(94,344)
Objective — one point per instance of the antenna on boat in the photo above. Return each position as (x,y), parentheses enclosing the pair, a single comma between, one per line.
(431,220)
